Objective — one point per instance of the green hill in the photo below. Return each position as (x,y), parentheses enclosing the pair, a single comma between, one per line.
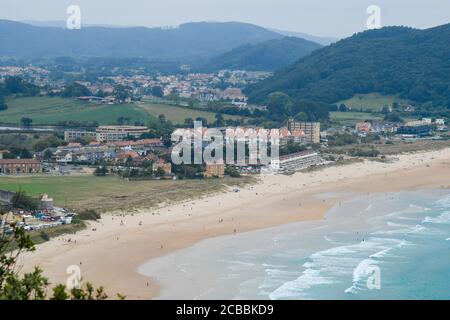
(266,56)
(409,63)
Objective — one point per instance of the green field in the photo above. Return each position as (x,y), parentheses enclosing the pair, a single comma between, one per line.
(112,193)
(371,101)
(178,114)
(51,110)
(350,118)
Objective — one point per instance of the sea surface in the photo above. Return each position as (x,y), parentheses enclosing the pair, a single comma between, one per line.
(376,246)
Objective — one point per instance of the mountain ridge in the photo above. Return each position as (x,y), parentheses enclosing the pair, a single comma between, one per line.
(187,42)
(264,56)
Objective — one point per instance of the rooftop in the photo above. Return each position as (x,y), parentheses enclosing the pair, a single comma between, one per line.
(19,161)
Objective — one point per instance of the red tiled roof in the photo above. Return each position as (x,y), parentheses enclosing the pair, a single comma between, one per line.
(19,161)
(134,143)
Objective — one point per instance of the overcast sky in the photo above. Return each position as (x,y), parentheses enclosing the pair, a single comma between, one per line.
(336,18)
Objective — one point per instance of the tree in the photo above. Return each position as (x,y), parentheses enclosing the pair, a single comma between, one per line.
(232,172)
(48,154)
(393,117)
(157,91)
(162,119)
(220,122)
(121,93)
(75,90)
(20,200)
(16,85)
(279,104)
(123,120)
(3,105)
(343,108)
(26,122)
(301,117)
(189,122)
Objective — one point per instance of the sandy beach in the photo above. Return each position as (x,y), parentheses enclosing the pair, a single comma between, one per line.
(110,251)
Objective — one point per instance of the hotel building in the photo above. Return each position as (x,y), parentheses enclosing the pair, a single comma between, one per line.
(108,133)
(311,130)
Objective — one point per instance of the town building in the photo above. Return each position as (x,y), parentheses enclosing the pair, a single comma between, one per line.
(214,170)
(71,135)
(107,133)
(363,127)
(18,166)
(310,129)
(161,164)
(46,203)
(297,161)
(440,125)
(414,130)
(117,133)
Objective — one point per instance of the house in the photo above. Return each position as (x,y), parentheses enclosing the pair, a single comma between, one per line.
(17,166)
(124,157)
(214,170)
(363,127)
(161,164)
(440,125)
(63,156)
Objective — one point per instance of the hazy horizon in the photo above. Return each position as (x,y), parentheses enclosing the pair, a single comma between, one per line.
(320,18)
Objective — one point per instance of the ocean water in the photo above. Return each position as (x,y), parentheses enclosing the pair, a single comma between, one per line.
(378,246)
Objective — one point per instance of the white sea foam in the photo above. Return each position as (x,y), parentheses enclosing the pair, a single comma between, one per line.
(297,287)
(329,266)
(396,225)
(443,203)
(417,229)
(416,207)
(360,274)
(443,218)
(362,271)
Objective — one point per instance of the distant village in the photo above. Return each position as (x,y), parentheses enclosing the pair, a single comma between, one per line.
(224,85)
(135,152)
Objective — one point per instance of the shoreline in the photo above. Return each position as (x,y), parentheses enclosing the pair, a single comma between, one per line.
(111,255)
(294,260)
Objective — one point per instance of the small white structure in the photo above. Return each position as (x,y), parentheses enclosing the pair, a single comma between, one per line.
(46,202)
